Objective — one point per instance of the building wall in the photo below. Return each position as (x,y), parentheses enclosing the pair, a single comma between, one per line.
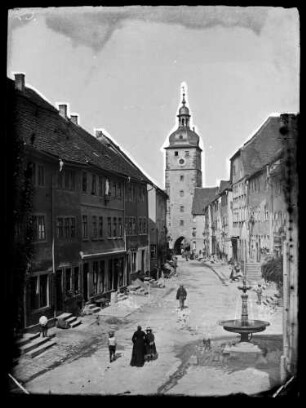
(161,222)
(291,349)
(239,208)
(197,234)
(158,230)
(137,241)
(103,249)
(225,224)
(53,252)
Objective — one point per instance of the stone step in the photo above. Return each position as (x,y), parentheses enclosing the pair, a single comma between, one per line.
(76,323)
(26,338)
(37,342)
(122,298)
(136,287)
(64,316)
(41,348)
(90,305)
(71,319)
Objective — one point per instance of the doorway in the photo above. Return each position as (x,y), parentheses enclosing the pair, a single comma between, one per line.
(142,260)
(85,281)
(235,249)
(59,290)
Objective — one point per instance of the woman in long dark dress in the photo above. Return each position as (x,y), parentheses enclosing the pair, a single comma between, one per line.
(151,353)
(139,348)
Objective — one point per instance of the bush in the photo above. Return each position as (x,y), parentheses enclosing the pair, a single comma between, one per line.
(272,271)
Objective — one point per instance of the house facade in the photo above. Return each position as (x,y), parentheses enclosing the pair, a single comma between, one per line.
(200,238)
(89,210)
(158,228)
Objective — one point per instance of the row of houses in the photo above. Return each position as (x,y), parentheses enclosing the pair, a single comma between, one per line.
(246,217)
(253,217)
(81,210)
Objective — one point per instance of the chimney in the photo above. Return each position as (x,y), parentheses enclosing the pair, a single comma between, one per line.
(74,119)
(63,110)
(99,134)
(19,82)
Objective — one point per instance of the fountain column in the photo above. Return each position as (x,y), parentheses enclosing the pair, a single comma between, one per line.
(244,310)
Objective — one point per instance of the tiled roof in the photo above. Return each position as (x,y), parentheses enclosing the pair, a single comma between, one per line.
(202,197)
(41,127)
(263,147)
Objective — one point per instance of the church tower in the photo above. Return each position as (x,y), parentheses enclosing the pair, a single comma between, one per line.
(182,174)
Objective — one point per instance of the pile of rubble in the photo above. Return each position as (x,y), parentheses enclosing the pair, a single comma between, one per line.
(159,283)
(139,287)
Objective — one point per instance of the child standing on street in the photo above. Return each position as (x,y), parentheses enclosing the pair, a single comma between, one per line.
(112,346)
(43,325)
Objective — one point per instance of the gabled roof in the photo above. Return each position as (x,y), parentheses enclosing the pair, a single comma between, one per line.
(41,127)
(224,185)
(202,197)
(261,149)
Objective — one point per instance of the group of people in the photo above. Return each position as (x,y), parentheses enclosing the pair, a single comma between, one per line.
(144,348)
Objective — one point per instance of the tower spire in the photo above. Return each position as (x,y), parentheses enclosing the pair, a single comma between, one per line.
(183,101)
(183,115)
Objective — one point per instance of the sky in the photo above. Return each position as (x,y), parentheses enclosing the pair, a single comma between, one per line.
(121,69)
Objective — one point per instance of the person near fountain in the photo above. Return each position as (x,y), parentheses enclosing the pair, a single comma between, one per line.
(181,295)
(139,348)
(259,293)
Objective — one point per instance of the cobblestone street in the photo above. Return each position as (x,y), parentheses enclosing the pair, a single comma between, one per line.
(79,363)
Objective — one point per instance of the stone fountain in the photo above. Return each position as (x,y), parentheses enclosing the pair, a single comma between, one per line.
(244,326)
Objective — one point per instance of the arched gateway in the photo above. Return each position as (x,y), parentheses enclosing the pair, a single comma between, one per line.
(179,244)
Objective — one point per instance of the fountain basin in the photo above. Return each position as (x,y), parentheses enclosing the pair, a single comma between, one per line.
(244,328)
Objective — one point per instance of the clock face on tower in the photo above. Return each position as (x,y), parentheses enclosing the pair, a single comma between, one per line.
(182,162)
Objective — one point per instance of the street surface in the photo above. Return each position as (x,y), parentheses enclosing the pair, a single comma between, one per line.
(79,364)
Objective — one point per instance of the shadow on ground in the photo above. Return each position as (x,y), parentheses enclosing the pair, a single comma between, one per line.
(195,353)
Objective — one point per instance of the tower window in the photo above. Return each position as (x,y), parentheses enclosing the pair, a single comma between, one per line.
(175,153)
(181,178)
(181,222)
(181,208)
(182,193)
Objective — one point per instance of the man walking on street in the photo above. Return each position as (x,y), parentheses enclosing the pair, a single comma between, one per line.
(181,295)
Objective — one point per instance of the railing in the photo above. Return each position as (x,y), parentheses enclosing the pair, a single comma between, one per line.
(18,384)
